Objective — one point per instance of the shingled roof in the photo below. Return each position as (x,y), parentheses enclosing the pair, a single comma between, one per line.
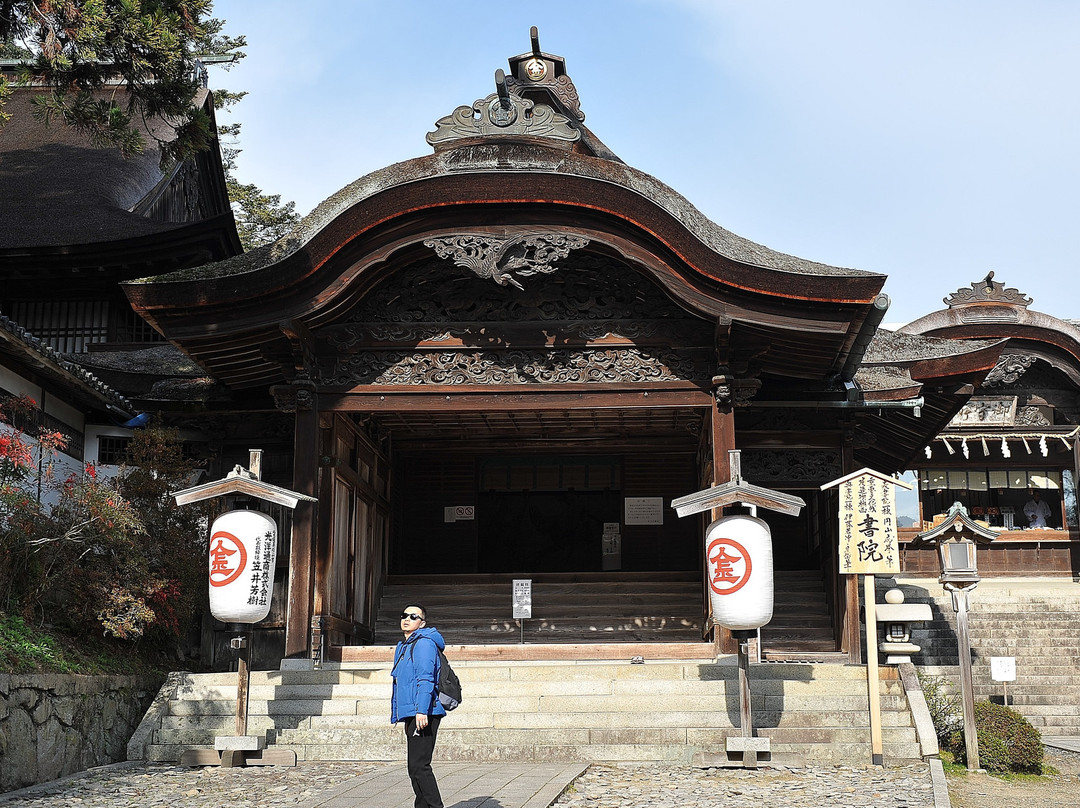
(29,352)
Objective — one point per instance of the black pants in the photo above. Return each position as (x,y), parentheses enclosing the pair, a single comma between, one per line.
(420,748)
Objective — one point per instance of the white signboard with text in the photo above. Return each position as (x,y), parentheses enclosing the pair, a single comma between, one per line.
(1003,668)
(868,538)
(522,598)
(643,511)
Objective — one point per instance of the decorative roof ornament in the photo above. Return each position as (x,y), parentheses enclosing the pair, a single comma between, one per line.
(537,70)
(500,259)
(987,291)
(502,114)
(1009,368)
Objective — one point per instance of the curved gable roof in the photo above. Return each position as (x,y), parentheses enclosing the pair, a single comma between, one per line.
(515,163)
(989,310)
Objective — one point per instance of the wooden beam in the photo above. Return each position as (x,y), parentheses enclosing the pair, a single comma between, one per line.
(449,399)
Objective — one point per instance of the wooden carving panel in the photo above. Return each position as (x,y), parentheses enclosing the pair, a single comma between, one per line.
(595,320)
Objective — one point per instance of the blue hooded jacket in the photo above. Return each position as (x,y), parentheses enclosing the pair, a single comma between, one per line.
(416,672)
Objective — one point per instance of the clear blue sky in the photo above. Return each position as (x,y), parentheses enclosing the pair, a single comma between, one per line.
(929,140)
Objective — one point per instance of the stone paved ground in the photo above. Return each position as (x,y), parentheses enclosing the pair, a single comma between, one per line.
(153,785)
(602,786)
(655,786)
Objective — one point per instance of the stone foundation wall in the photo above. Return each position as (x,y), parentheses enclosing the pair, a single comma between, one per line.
(53,725)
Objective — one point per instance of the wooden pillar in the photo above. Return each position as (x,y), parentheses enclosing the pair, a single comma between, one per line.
(723,440)
(325,441)
(305,522)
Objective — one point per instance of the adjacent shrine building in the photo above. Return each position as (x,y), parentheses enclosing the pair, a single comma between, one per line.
(498,354)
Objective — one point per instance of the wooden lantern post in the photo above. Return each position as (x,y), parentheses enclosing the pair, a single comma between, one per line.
(739,492)
(956,539)
(241,749)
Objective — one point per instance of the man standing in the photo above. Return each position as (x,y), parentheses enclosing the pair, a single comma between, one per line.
(1036,511)
(415,701)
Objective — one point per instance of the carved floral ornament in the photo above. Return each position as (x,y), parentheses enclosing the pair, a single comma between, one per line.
(503,114)
(500,259)
(988,291)
(772,465)
(513,367)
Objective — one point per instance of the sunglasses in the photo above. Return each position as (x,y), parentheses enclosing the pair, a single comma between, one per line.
(407,616)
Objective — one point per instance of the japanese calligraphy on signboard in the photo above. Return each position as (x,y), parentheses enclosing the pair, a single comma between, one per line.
(868,536)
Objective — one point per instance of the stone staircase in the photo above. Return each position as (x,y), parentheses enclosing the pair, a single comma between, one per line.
(566,607)
(599,607)
(1035,621)
(536,710)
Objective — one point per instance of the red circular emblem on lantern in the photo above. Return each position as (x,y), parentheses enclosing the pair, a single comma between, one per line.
(228,557)
(729,566)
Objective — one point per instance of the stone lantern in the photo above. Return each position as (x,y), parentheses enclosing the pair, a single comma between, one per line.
(896,617)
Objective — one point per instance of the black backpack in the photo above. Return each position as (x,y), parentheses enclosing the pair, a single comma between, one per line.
(448,686)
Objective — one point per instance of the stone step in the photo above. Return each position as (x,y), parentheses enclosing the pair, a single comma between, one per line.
(393,748)
(600,710)
(223,685)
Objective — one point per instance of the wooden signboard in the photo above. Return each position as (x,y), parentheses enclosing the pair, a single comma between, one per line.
(868,546)
(868,538)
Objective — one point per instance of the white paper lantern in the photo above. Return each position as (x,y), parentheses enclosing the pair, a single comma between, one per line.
(243,554)
(739,564)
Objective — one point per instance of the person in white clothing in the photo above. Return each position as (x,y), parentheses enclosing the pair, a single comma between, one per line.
(1036,511)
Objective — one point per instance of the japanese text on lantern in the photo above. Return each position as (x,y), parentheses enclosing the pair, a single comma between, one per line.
(868,538)
(261,575)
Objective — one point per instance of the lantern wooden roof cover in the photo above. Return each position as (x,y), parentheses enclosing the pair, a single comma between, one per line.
(519,167)
(242,481)
(955,521)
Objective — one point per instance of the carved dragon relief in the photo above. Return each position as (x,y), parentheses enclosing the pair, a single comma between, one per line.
(495,334)
(513,367)
(499,259)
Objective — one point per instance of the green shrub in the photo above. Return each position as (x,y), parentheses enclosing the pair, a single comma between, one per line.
(943,702)
(1007,741)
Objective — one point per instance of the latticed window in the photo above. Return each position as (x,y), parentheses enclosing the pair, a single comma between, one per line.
(112,450)
(70,326)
